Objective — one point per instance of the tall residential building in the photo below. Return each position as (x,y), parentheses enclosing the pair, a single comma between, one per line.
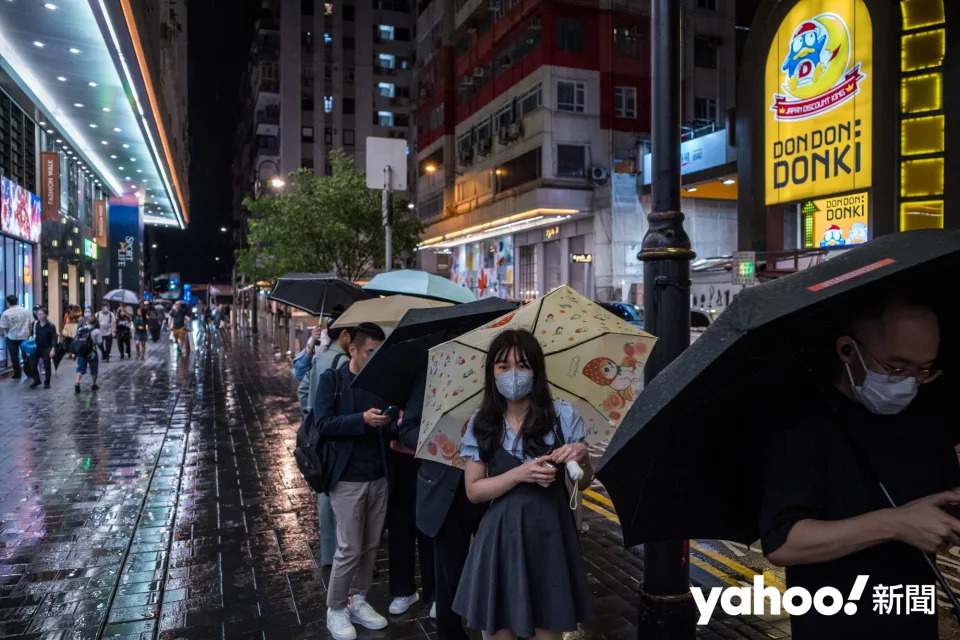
(323,76)
(533,119)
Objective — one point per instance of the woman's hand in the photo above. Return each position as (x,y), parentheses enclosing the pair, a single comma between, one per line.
(574,451)
(535,471)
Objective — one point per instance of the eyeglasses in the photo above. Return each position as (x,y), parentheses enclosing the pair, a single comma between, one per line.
(895,374)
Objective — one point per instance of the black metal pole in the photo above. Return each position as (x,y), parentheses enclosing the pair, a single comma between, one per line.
(254,329)
(666,609)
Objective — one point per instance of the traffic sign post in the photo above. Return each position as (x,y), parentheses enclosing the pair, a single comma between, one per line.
(745,268)
(387,170)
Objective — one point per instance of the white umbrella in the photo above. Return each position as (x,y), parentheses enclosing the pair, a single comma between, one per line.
(122,295)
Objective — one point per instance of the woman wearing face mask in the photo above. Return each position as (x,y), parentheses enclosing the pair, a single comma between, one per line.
(524,575)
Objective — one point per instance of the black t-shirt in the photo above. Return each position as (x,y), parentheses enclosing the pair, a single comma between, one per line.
(178,318)
(813,473)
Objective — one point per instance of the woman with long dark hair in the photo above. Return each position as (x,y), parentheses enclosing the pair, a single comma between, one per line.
(140,332)
(124,326)
(524,576)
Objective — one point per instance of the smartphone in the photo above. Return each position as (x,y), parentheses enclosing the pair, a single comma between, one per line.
(393,412)
(952,510)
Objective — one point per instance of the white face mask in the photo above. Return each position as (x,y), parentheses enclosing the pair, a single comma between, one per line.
(879,395)
(515,385)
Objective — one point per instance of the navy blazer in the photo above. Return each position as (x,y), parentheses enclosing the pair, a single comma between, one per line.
(436,482)
(343,427)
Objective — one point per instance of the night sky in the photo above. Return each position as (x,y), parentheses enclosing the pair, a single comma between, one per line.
(218,40)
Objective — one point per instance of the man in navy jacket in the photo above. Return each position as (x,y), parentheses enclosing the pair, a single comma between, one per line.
(358,427)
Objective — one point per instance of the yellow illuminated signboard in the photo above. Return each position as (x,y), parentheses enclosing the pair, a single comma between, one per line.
(818,93)
(837,221)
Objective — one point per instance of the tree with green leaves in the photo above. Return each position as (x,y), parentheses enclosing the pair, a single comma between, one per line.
(322,224)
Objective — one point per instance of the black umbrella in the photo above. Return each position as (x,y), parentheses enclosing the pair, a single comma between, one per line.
(60,351)
(316,293)
(675,467)
(392,370)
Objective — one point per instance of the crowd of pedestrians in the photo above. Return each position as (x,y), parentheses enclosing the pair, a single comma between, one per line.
(497,544)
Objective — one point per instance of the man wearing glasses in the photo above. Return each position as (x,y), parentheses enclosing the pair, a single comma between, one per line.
(826,513)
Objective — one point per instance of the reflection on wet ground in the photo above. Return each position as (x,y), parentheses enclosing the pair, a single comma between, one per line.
(167,505)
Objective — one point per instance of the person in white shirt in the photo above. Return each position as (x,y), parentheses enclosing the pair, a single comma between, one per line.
(16,323)
(107,322)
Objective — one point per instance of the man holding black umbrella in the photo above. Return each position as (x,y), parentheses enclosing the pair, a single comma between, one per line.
(835,474)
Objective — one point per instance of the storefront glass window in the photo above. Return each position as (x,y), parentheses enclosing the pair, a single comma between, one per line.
(528,273)
(484,267)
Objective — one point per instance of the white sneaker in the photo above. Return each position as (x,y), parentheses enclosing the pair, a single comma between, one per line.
(433,610)
(339,626)
(401,604)
(363,614)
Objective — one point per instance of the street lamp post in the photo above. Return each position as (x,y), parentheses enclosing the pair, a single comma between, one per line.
(276,182)
(666,609)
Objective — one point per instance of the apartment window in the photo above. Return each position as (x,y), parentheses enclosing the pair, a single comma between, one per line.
(705,51)
(327,72)
(504,117)
(626,42)
(385,32)
(349,137)
(328,135)
(348,105)
(570,35)
(348,76)
(306,134)
(306,163)
(387,89)
(348,13)
(522,169)
(349,43)
(465,143)
(384,118)
(625,102)
(306,7)
(387,61)
(570,161)
(531,100)
(306,41)
(328,104)
(571,96)
(709,5)
(306,104)
(705,108)
(483,131)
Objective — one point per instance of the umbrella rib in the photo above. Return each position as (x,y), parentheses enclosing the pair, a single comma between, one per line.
(567,391)
(590,339)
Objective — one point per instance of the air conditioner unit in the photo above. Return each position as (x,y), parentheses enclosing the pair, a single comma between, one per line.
(506,61)
(599,175)
(479,72)
(466,157)
(515,130)
(483,146)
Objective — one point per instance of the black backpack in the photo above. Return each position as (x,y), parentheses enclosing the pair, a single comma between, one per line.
(316,456)
(82,344)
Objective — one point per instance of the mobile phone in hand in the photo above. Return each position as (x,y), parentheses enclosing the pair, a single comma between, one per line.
(952,510)
(393,412)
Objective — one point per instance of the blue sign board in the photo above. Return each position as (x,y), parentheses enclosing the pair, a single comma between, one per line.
(186,292)
(125,244)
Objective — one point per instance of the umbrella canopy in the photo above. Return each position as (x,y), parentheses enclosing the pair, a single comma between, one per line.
(420,284)
(668,467)
(594,361)
(393,368)
(124,296)
(386,312)
(316,293)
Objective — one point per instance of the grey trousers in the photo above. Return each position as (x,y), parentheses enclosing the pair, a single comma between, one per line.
(328,529)
(360,509)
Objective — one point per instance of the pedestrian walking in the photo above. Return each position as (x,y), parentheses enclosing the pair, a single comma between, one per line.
(45,337)
(356,423)
(69,330)
(107,324)
(406,543)
(179,318)
(124,331)
(309,369)
(140,326)
(524,575)
(824,516)
(84,346)
(16,323)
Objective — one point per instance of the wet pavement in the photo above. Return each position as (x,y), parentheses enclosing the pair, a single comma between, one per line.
(167,505)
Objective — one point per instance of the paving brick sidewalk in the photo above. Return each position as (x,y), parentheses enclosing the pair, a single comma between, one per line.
(167,505)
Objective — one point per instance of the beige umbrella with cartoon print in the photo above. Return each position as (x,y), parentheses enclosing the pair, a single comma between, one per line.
(594,361)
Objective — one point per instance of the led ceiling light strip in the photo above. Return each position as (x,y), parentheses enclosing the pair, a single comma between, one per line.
(171,194)
(16,66)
